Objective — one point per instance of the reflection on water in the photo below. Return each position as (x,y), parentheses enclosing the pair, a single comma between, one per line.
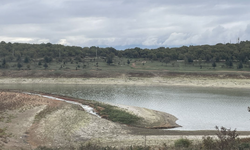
(196,108)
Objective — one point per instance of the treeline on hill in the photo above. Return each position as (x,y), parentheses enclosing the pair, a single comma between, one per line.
(22,52)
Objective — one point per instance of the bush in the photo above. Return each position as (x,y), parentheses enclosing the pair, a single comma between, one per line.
(227,139)
(208,143)
(244,146)
(116,115)
(182,143)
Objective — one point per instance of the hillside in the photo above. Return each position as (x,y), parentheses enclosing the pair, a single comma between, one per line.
(48,60)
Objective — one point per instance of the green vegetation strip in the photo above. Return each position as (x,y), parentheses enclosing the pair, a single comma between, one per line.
(114,114)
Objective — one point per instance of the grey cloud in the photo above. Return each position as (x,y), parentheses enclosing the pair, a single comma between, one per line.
(125,22)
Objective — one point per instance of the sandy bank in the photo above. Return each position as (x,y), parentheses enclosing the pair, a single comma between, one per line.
(151,118)
(157,81)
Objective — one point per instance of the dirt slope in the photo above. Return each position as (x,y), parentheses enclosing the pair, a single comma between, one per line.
(29,121)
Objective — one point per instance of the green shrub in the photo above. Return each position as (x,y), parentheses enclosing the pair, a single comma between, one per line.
(182,143)
(116,115)
(208,143)
(244,146)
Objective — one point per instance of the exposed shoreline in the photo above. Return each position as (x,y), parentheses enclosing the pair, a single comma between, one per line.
(138,81)
(106,131)
(153,119)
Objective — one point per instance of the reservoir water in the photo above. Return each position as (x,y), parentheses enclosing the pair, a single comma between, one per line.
(196,108)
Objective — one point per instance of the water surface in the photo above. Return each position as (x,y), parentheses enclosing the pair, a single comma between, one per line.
(196,108)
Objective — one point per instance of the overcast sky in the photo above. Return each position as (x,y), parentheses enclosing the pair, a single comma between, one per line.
(125,23)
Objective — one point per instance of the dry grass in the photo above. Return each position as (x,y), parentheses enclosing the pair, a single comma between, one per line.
(11,101)
(17,113)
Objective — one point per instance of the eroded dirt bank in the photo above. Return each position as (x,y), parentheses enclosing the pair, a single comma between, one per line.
(28,121)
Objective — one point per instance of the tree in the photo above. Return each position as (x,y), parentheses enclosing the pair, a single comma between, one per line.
(28,67)
(214,64)
(78,59)
(200,61)
(19,65)
(166,60)
(18,57)
(240,65)
(47,59)
(10,58)
(26,60)
(229,63)
(45,66)
(109,60)
(154,57)
(4,62)
(246,60)
(186,60)
(119,54)
(128,62)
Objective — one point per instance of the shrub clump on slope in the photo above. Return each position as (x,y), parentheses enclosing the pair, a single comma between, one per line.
(116,115)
